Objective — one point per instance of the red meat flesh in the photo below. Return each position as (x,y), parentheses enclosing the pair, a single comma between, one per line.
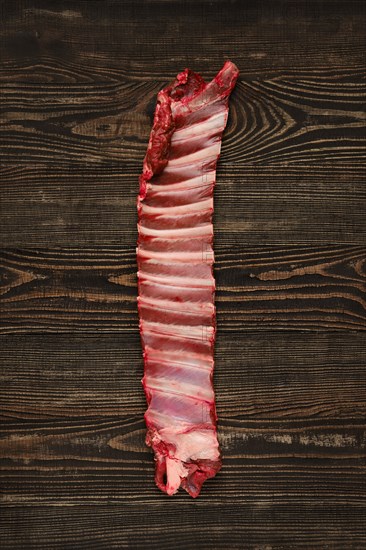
(175,278)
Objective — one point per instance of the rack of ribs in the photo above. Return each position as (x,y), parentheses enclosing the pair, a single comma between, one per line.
(176,286)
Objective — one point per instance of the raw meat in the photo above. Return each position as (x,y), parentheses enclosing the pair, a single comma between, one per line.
(175,278)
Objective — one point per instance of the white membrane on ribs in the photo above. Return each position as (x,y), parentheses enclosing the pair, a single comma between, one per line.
(176,283)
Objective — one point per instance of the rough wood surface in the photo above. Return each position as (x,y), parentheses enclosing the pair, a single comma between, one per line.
(68,376)
(257,288)
(323,524)
(277,121)
(78,88)
(86,206)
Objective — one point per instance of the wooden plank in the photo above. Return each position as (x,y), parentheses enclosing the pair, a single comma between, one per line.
(259,288)
(286,120)
(86,206)
(290,144)
(151,39)
(259,376)
(93,443)
(298,523)
(74,462)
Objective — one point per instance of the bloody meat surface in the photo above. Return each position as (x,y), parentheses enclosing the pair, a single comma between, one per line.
(176,285)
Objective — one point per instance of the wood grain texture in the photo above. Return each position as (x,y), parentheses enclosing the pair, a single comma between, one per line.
(148,40)
(283,375)
(86,206)
(74,153)
(91,457)
(258,524)
(78,89)
(257,289)
(305,119)
(74,135)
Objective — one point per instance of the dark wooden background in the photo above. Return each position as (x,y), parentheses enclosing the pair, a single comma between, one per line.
(79,82)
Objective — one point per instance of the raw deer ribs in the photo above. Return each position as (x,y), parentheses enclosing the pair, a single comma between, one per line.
(175,278)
